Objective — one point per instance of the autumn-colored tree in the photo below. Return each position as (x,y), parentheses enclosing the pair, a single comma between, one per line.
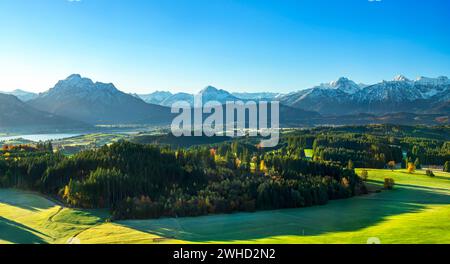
(411,167)
(66,192)
(254,164)
(262,166)
(391,165)
(212,152)
(238,163)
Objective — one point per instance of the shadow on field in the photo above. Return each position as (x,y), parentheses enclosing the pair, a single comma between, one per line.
(422,187)
(442,178)
(419,174)
(16,233)
(24,200)
(415,193)
(337,216)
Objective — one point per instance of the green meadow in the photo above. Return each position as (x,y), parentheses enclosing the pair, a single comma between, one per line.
(416,211)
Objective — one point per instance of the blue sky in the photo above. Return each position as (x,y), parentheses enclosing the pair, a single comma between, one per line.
(238,45)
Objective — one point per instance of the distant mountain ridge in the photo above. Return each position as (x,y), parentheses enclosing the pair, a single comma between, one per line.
(342,97)
(24,96)
(155,98)
(16,115)
(209,93)
(345,97)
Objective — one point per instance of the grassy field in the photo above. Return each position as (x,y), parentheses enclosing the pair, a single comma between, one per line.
(417,211)
(309,153)
(69,146)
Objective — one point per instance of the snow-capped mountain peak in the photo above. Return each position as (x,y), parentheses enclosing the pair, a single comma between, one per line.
(343,84)
(211,93)
(401,78)
(76,86)
(341,81)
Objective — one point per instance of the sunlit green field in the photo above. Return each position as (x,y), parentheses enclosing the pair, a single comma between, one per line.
(417,211)
(74,145)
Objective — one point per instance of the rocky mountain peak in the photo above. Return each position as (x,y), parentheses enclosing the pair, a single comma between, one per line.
(401,78)
(76,84)
(346,85)
(340,81)
(73,77)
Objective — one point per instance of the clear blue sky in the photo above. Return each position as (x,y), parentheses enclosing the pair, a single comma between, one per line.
(238,45)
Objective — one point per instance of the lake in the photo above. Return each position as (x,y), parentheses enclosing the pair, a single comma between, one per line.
(40,137)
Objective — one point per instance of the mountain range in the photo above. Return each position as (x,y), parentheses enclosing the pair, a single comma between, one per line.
(79,102)
(345,97)
(342,97)
(209,93)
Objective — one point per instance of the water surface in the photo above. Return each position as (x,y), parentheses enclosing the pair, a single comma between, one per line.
(40,137)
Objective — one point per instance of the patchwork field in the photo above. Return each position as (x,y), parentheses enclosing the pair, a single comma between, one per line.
(417,211)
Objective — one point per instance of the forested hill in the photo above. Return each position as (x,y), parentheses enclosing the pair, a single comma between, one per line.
(138,181)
